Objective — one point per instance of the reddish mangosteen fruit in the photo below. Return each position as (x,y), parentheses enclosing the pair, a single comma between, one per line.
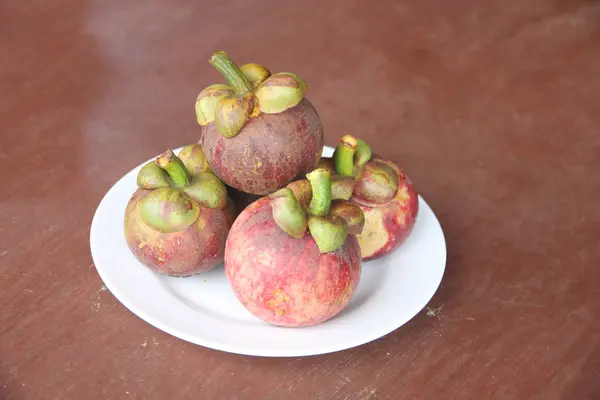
(259,131)
(382,190)
(292,257)
(177,221)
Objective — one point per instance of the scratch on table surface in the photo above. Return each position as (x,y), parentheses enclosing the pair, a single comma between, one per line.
(344,377)
(513,302)
(144,344)
(51,228)
(367,393)
(155,341)
(102,288)
(434,312)
(489,362)
(3,253)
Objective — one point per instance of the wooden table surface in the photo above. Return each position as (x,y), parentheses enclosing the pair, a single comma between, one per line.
(492,107)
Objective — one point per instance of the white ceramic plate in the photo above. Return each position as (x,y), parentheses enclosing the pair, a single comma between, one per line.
(202,309)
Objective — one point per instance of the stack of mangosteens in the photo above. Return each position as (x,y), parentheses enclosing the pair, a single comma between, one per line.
(291,227)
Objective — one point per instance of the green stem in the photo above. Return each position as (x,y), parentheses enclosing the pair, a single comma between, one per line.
(232,73)
(350,155)
(177,172)
(344,156)
(320,182)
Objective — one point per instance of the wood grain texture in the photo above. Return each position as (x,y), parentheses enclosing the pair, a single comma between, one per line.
(490,106)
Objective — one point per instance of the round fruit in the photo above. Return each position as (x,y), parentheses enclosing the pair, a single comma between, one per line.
(292,258)
(259,131)
(384,193)
(177,221)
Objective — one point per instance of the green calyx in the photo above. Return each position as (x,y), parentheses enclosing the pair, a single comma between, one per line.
(288,213)
(207,100)
(193,159)
(151,176)
(280,92)
(250,90)
(318,203)
(349,212)
(376,181)
(302,191)
(232,114)
(378,184)
(255,73)
(168,210)
(351,155)
(329,233)
(180,185)
(207,190)
(342,187)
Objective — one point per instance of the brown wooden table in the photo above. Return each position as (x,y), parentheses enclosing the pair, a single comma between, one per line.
(492,107)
